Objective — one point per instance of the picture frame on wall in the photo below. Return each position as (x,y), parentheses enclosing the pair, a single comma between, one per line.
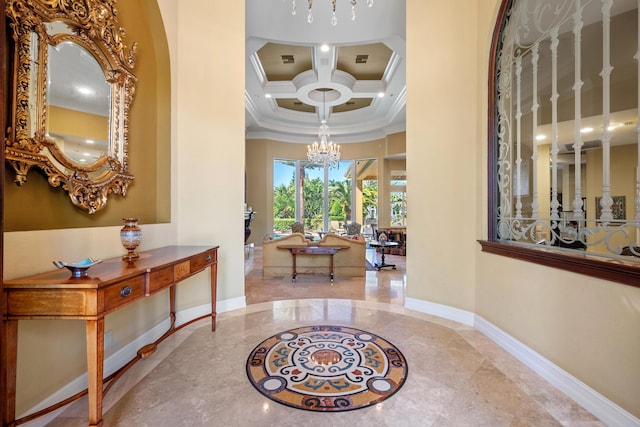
(618,207)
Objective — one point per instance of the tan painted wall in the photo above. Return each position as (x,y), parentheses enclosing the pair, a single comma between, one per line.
(148,197)
(586,326)
(397,143)
(442,150)
(74,122)
(204,211)
(211,152)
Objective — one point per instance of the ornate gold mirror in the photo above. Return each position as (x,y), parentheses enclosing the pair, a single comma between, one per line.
(72,89)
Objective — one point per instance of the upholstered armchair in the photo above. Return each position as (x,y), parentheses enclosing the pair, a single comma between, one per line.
(352,229)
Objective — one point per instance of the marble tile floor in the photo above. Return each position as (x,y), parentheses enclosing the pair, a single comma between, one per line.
(386,285)
(457,376)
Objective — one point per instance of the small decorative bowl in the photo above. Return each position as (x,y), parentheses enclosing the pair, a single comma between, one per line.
(79,268)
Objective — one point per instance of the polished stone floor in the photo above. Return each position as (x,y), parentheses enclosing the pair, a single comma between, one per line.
(457,376)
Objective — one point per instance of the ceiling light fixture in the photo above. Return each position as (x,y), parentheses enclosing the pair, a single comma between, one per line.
(334,19)
(324,152)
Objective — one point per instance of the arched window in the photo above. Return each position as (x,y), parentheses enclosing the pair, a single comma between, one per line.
(564,136)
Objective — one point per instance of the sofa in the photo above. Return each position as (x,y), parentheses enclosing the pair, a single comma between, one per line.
(346,262)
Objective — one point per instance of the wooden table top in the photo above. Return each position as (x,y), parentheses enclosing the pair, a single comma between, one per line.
(108,271)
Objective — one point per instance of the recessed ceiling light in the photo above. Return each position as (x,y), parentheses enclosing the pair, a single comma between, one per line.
(380,94)
(586,130)
(324,48)
(86,154)
(90,141)
(541,137)
(267,95)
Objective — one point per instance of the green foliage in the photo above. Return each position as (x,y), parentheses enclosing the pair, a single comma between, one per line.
(340,196)
(283,224)
(313,203)
(369,197)
(336,209)
(284,201)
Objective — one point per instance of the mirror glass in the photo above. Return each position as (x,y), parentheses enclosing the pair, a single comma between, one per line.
(73,86)
(79,103)
(34,71)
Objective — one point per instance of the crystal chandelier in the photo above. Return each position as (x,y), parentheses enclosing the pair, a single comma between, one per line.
(324,153)
(334,19)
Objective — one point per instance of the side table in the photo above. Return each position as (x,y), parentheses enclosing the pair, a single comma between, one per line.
(383,246)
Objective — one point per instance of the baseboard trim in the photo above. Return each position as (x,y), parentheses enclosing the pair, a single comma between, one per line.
(231,304)
(444,311)
(126,354)
(607,411)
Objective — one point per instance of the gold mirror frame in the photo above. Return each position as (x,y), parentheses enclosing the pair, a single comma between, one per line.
(95,28)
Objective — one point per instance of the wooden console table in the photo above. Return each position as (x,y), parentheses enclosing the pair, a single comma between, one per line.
(312,250)
(108,287)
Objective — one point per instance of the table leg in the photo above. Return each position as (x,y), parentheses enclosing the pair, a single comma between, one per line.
(383,263)
(95,367)
(295,273)
(331,268)
(214,293)
(172,305)
(9,360)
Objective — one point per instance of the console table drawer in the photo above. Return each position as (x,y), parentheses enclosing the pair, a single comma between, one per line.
(123,293)
(160,279)
(203,261)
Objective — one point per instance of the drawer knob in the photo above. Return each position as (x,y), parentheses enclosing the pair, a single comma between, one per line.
(208,258)
(125,291)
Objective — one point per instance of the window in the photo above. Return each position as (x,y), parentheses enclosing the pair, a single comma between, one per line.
(324,198)
(564,145)
(398,186)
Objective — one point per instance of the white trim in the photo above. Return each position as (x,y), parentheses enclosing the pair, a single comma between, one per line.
(124,355)
(231,304)
(223,306)
(607,411)
(111,364)
(444,311)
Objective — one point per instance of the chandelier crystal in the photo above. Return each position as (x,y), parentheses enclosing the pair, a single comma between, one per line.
(334,19)
(324,152)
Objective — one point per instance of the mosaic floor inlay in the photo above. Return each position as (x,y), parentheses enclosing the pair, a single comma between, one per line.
(326,368)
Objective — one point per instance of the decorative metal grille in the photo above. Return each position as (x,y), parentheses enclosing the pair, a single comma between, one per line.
(567,136)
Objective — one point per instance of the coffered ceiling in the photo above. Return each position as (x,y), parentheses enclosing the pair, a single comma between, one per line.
(357,83)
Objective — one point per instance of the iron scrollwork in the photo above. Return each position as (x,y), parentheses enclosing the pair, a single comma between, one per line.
(89,28)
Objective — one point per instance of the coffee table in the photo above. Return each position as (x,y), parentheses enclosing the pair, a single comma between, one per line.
(383,246)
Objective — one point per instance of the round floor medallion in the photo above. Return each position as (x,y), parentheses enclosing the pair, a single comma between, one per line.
(326,368)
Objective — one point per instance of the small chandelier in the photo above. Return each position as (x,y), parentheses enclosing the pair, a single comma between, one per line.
(334,19)
(324,153)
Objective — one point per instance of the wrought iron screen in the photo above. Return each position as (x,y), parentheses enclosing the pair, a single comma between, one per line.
(566,128)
